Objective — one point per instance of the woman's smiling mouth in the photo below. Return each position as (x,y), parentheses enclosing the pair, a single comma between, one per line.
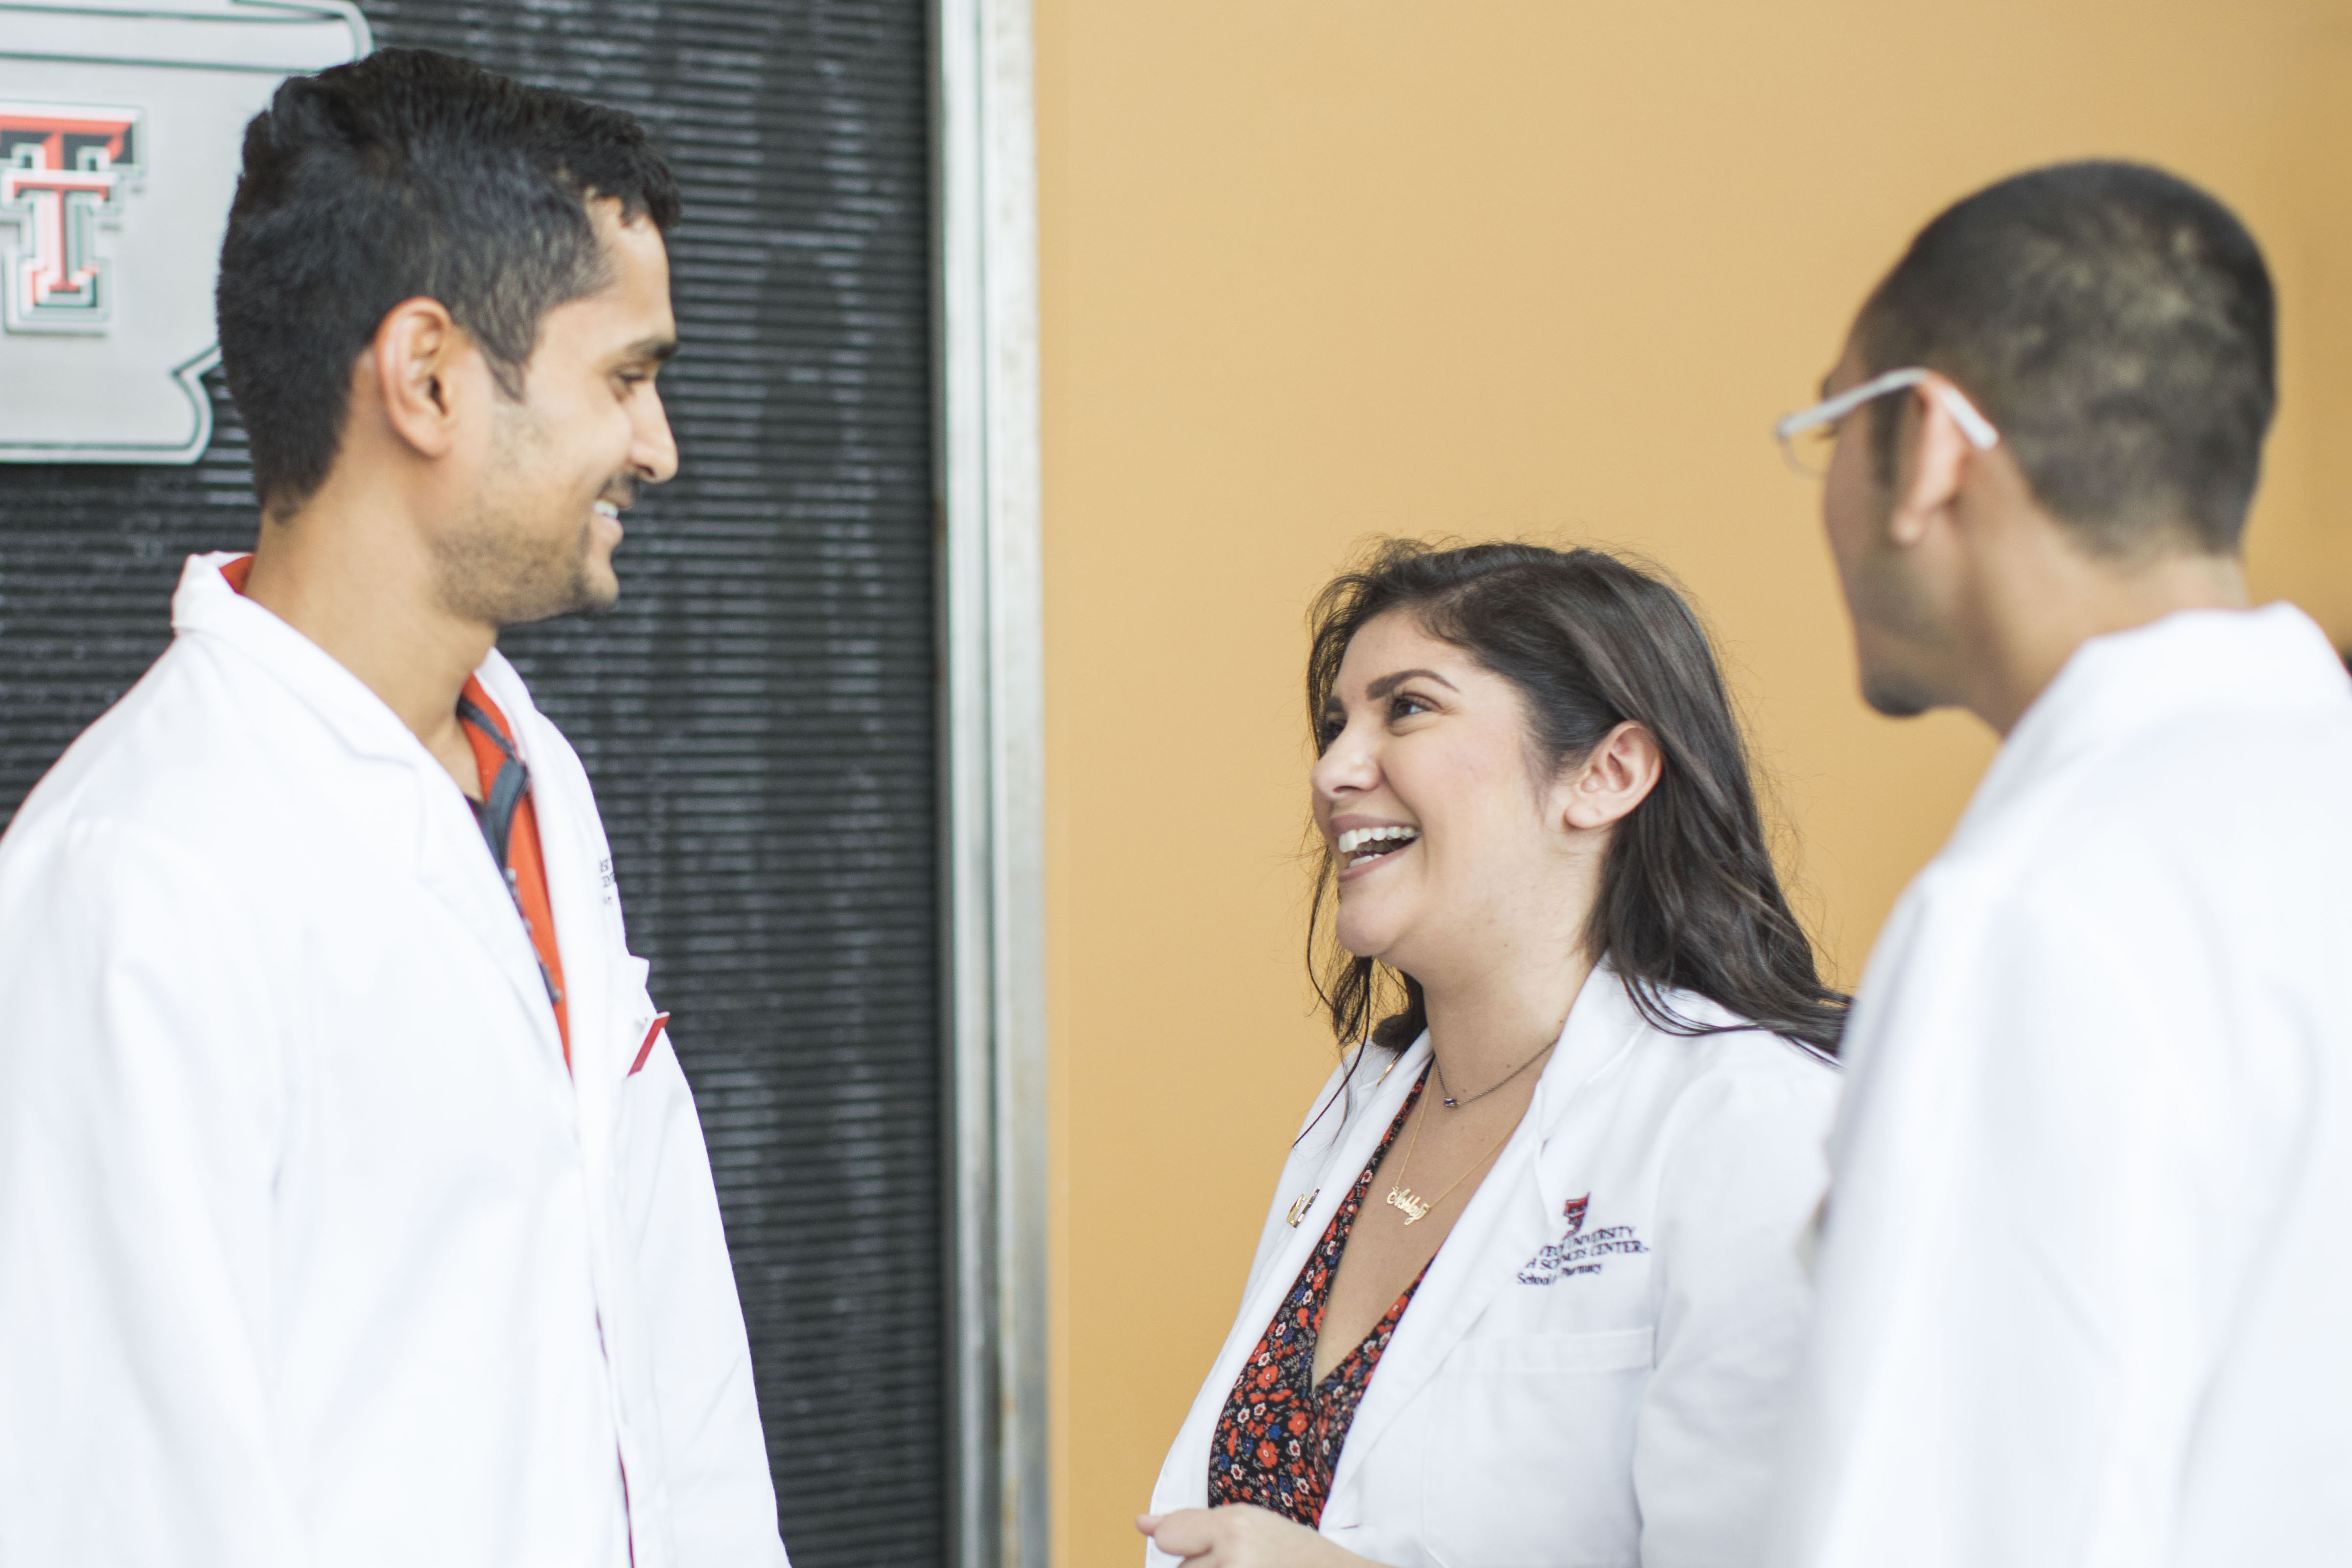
(1360,847)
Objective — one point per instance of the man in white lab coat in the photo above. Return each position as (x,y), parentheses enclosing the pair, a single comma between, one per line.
(354,1209)
(2085,1291)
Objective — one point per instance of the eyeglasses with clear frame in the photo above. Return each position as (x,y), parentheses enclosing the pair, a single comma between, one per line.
(1809,436)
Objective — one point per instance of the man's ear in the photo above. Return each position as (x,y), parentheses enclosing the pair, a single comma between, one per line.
(1617,777)
(1927,484)
(421,366)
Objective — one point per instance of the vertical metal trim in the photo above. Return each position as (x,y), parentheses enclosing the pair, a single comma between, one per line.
(995,900)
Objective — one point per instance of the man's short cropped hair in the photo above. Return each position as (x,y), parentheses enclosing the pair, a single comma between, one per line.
(407,173)
(2117,325)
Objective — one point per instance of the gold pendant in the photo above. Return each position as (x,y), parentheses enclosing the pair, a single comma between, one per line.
(1414,1207)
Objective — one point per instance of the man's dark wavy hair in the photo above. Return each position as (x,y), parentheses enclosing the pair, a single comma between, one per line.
(407,173)
(1689,899)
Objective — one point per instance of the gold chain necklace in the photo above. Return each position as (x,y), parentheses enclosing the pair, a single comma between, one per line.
(1414,1204)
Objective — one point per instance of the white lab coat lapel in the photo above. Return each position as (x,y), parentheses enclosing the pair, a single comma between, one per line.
(1327,1163)
(1511,1216)
(455,867)
(446,850)
(1603,1027)
(594,991)
(571,847)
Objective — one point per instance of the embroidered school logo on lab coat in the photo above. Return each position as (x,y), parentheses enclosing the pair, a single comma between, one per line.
(1578,1251)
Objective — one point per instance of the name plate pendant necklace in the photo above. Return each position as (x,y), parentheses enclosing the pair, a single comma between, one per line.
(1401,1197)
(1414,1206)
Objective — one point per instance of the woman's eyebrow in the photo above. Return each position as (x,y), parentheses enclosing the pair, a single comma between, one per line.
(1387,683)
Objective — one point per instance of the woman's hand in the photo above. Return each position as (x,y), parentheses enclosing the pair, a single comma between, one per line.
(1240,1536)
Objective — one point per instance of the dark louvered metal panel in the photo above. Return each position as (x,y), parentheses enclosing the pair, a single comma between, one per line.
(757,714)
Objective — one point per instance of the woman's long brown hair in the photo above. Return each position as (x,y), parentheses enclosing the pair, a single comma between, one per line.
(1689,899)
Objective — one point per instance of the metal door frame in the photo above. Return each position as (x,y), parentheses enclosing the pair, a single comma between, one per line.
(993,786)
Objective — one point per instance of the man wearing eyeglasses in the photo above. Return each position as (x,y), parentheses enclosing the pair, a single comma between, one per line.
(2086,1277)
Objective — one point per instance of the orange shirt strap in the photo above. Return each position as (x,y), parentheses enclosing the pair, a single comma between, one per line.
(526,867)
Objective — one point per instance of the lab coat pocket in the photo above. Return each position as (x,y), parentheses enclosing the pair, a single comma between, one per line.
(1531,1457)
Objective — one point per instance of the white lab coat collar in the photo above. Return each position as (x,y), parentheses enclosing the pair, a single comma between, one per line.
(445,852)
(205,605)
(1602,1026)
(2127,681)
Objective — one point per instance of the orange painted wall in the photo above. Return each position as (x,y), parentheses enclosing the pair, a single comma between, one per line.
(1319,269)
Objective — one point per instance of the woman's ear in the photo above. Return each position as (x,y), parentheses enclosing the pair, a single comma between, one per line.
(1617,777)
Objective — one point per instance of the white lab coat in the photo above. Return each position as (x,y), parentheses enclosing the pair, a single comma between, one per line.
(311,1252)
(1599,1393)
(2085,1286)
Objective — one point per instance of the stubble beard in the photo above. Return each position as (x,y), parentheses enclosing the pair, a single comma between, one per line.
(500,570)
(495,571)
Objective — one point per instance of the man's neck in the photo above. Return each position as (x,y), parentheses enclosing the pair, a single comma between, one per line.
(2051,597)
(365,593)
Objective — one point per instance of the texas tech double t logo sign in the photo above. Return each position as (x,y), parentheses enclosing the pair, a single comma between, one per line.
(120,123)
(61,165)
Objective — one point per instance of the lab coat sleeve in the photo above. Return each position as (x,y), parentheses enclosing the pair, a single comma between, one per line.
(141,1107)
(722,1504)
(1746,1165)
(2045,1194)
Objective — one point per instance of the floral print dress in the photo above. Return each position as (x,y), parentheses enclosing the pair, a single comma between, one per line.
(1279,1437)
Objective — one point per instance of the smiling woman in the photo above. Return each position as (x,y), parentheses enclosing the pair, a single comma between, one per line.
(1550,1291)
(1688,897)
